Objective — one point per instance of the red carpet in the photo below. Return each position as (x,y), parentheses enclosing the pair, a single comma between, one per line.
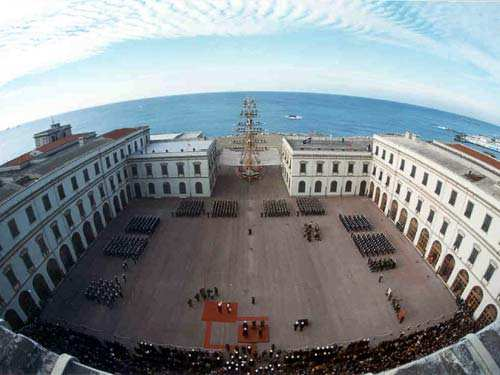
(211,314)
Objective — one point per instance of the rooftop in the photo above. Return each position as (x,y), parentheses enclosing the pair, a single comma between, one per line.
(194,145)
(175,136)
(329,144)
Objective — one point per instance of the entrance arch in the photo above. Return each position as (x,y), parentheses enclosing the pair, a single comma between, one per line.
(66,257)
(377,195)
(412,229)
(488,316)
(362,188)
(107,213)
(98,222)
(460,283)
(28,305)
(370,192)
(394,210)
(317,187)
(123,200)
(403,215)
(88,233)
(116,204)
(137,189)
(55,273)
(434,254)
(422,241)
(474,298)
(447,267)
(14,320)
(383,203)
(76,241)
(302,186)
(41,287)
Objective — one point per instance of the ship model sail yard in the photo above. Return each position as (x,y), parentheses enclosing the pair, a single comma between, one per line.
(257,253)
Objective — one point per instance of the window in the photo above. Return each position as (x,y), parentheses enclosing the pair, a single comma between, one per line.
(473,255)
(125,173)
(319,167)
(129,149)
(413,171)
(425,178)
(81,210)
(149,170)
(333,187)
(40,241)
(74,183)
(60,192)
(108,162)
(112,183)
(197,169)
(14,230)
(69,218)
(489,272)
(486,223)
(348,186)
(468,209)
(383,154)
(30,214)
(391,158)
(419,206)
(182,188)
(142,143)
(11,276)
(458,241)
(198,188)
(387,181)
(398,188)
(453,197)
(444,227)
(55,231)
(376,150)
(408,196)
(122,154)
(439,185)
(180,169)
(302,167)
(374,171)
(115,157)
(365,168)
(90,195)
(350,168)
(302,187)
(46,202)
(380,176)
(135,146)
(335,168)
(402,165)
(151,188)
(119,177)
(166,188)
(101,191)
(431,216)
(164,169)
(97,170)
(134,170)
(317,187)
(28,263)
(86,176)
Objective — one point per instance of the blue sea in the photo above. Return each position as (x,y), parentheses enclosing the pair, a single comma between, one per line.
(217,113)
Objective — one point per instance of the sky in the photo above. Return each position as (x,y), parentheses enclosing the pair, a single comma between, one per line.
(62,55)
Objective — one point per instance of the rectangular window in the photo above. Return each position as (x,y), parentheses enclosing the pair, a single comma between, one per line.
(115,157)
(164,169)
(61,192)
(413,171)
(122,154)
(42,245)
(468,209)
(101,191)
(398,188)
(335,168)
(197,169)
(30,214)
(453,198)
(91,197)
(180,169)
(86,176)
(112,183)
(350,168)
(365,168)
(425,178)
(380,176)
(408,196)
(387,181)
(97,170)
(439,185)
(444,227)
(302,167)
(46,202)
(486,223)
(28,263)
(391,158)
(473,255)
(458,241)
(431,216)
(119,177)
(74,183)
(69,218)
(14,231)
(134,170)
(81,210)
(125,173)
(402,165)
(129,148)
(319,167)
(149,170)
(11,276)
(108,162)
(55,231)
(489,272)
(419,206)
(374,171)
(383,154)
(376,150)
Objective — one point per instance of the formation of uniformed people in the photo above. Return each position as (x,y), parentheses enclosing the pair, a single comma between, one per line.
(355,223)
(378,265)
(275,208)
(104,292)
(142,224)
(372,244)
(204,294)
(312,232)
(189,208)
(310,206)
(224,208)
(126,246)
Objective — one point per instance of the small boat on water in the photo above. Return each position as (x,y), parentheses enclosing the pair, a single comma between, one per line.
(294,117)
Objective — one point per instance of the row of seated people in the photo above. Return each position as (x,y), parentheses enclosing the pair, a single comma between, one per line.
(104,292)
(224,208)
(189,208)
(312,232)
(372,244)
(310,206)
(379,265)
(355,358)
(355,223)
(142,224)
(275,208)
(126,246)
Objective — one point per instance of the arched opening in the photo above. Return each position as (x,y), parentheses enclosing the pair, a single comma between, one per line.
(403,215)
(377,195)
(182,188)
(317,187)
(28,305)
(77,243)
(66,257)
(88,233)
(370,192)
(98,222)
(41,288)
(107,213)
(383,203)
(302,186)
(198,188)
(447,267)
(137,189)
(14,320)
(460,283)
(333,187)
(488,316)
(434,254)
(474,298)
(412,229)
(123,200)
(116,204)
(422,241)
(362,188)
(394,210)
(54,271)
(348,186)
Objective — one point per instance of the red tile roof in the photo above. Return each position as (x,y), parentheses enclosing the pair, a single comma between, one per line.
(24,158)
(476,154)
(119,133)
(56,144)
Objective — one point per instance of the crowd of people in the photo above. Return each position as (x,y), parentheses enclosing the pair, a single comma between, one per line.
(224,208)
(142,224)
(383,264)
(372,244)
(355,223)
(310,206)
(204,294)
(312,232)
(275,208)
(104,292)
(126,246)
(189,208)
